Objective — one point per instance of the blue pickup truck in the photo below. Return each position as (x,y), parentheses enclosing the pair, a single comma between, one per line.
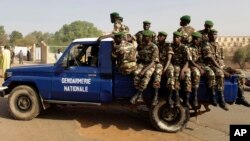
(86,74)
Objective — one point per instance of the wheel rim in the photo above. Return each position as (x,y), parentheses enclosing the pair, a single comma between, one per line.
(169,115)
(24,103)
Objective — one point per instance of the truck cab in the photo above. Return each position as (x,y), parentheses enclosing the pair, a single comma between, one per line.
(87,74)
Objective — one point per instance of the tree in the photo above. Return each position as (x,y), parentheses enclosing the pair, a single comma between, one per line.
(3,36)
(241,56)
(77,29)
(14,36)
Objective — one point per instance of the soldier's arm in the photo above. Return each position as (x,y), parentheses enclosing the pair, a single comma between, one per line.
(155,58)
(184,68)
(167,63)
(105,36)
(214,62)
(191,62)
(147,68)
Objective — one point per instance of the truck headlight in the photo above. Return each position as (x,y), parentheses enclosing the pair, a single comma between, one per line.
(7,75)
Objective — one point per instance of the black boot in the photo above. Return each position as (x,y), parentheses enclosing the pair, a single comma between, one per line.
(186,100)
(135,98)
(194,98)
(241,99)
(177,98)
(169,99)
(222,102)
(155,100)
(212,97)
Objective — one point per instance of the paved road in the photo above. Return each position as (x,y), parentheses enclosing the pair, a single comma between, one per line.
(109,124)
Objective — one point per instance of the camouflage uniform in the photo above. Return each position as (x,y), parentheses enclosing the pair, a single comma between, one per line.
(146,54)
(179,59)
(186,34)
(120,27)
(125,53)
(164,50)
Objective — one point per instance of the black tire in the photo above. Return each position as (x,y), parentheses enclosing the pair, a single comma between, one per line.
(167,119)
(24,103)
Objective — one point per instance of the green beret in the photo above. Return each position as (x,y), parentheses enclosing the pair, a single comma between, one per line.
(163,33)
(176,33)
(146,22)
(119,34)
(213,31)
(147,33)
(208,22)
(114,14)
(196,34)
(185,18)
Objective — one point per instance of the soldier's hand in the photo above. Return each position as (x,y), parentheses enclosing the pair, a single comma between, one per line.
(182,75)
(202,71)
(227,74)
(141,73)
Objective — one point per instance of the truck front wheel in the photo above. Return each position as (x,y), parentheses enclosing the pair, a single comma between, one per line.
(167,119)
(24,103)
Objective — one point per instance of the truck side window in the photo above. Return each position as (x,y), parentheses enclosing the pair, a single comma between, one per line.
(84,55)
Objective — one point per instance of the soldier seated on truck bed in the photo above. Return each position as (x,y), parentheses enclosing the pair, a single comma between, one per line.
(124,53)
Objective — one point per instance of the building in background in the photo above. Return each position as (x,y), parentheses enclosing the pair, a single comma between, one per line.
(232,43)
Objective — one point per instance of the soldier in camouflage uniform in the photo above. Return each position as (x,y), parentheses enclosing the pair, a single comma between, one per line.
(164,66)
(146,26)
(118,25)
(207,28)
(210,54)
(117,20)
(219,56)
(181,70)
(125,54)
(148,56)
(185,29)
(196,69)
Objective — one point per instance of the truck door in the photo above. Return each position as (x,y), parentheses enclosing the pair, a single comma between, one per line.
(77,77)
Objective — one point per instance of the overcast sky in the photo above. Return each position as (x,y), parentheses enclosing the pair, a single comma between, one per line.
(231,17)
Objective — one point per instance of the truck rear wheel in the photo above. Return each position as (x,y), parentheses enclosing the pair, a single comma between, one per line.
(167,119)
(24,103)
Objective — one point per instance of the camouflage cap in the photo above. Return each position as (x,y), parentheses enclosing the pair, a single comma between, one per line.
(208,22)
(185,18)
(196,34)
(119,34)
(213,31)
(163,33)
(147,33)
(146,22)
(178,34)
(114,14)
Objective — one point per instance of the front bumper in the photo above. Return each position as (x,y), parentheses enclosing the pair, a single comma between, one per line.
(2,91)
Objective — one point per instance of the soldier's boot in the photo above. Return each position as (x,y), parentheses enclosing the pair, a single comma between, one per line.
(241,99)
(134,99)
(186,100)
(222,102)
(212,97)
(140,98)
(195,99)
(169,100)
(177,98)
(155,100)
